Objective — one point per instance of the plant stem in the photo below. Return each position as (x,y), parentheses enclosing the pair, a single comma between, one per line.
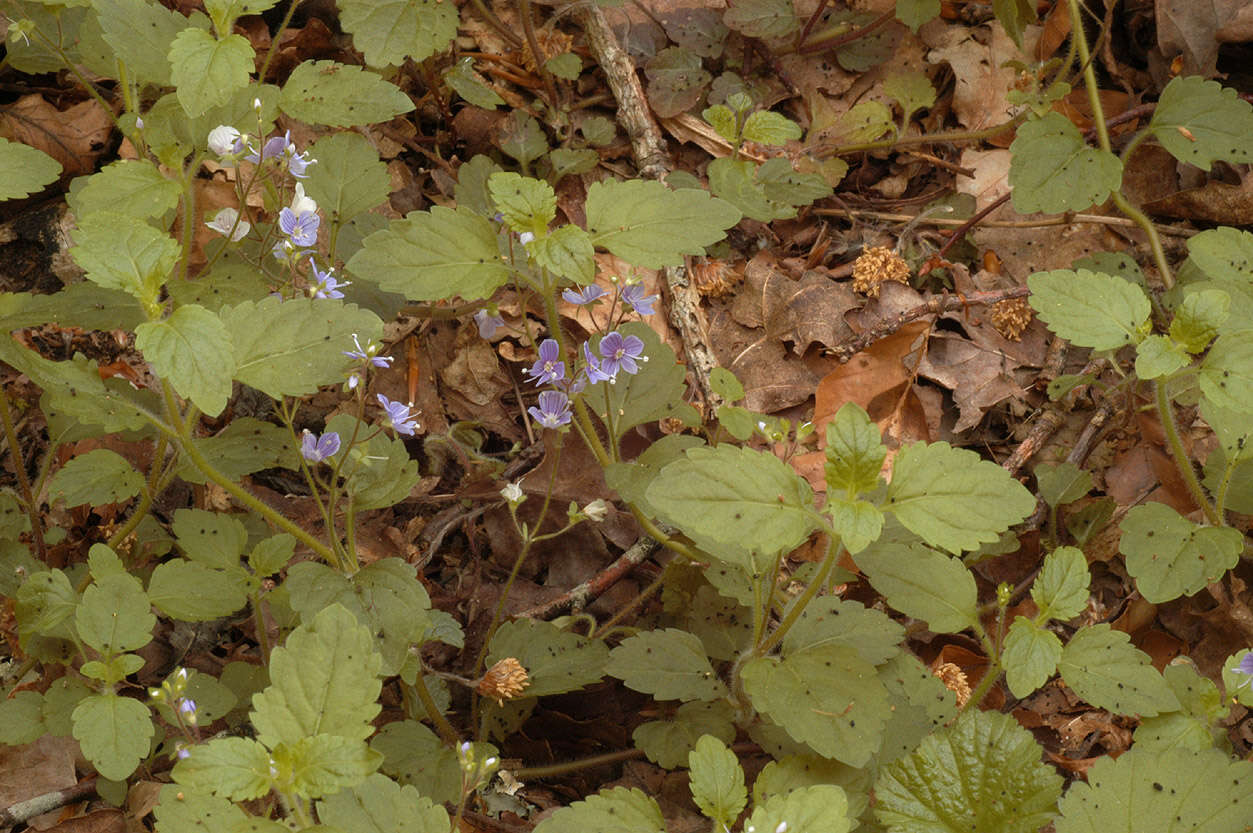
(282,27)
(445,729)
(23,483)
(1166,413)
(798,607)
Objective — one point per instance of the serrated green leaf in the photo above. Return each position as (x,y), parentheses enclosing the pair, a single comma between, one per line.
(1224,259)
(676,81)
(322,765)
(1201,792)
(830,620)
(656,392)
(181,810)
(21,718)
(648,225)
(207,72)
(430,256)
(134,187)
(669,664)
(857,522)
(114,733)
(82,304)
(521,137)
(815,807)
(827,697)
(1226,376)
(769,128)
(912,90)
(1062,483)
(1169,556)
(734,180)
(920,703)
(668,742)
(289,348)
(1060,591)
(272,554)
(1237,684)
(96,478)
(914,13)
(526,204)
(1159,356)
(341,95)
(981,775)
(380,805)
(1052,169)
(215,539)
(761,18)
(1090,309)
(1200,121)
(735,497)
(865,121)
(193,592)
(567,253)
(952,499)
(1199,317)
(234,768)
(122,252)
(556,661)
(229,282)
(415,756)
(1103,668)
(1029,656)
(792,772)
(388,31)
(1195,726)
(114,670)
(570,161)
(60,700)
(242,447)
(468,84)
(45,605)
(723,121)
(854,452)
(618,810)
(324,680)
(191,349)
(349,178)
(114,615)
(783,184)
(717,781)
(923,583)
(140,34)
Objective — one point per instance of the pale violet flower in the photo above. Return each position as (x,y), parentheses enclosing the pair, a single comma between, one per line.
(315,449)
(224,140)
(1245,666)
(488,322)
(620,352)
(592,368)
(553,410)
(633,294)
(513,493)
(228,222)
(325,284)
(548,368)
(302,228)
(298,162)
(139,123)
(582,296)
(369,353)
(398,416)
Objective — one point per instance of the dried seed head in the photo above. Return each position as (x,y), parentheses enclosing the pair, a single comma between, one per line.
(504,681)
(954,679)
(876,265)
(1011,317)
(713,278)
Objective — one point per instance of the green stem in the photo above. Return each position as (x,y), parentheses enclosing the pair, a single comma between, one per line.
(798,607)
(23,483)
(269,56)
(1166,413)
(445,729)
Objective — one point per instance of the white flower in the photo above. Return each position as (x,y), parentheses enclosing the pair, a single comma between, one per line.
(226,220)
(596,510)
(300,203)
(525,237)
(512,493)
(222,139)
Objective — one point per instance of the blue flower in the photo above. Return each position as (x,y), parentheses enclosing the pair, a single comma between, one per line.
(621,353)
(553,410)
(488,323)
(633,294)
(302,228)
(316,449)
(585,295)
(548,369)
(327,285)
(367,355)
(1245,666)
(592,368)
(276,146)
(398,416)
(298,162)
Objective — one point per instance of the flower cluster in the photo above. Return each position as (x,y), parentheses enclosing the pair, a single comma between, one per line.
(231,146)
(615,354)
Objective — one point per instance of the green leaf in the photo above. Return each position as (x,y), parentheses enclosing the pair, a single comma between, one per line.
(526,204)
(388,31)
(830,620)
(914,13)
(271,555)
(1060,591)
(667,743)
(722,120)
(827,697)
(863,122)
(349,178)
(1237,684)
(1029,656)
(734,180)
(768,128)
(521,137)
(717,781)
(24,170)
(121,252)
(761,18)
(566,66)
(114,670)
(1104,669)
(912,90)
(380,805)
(96,478)
(1159,356)
(1201,792)
(854,452)
(21,718)
(415,755)
(114,733)
(183,810)
(141,34)
(1201,121)
(1227,373)
(1052,169)
(468,84)
(1090,309)
(1014,15)
(432,256)
(555,660)
(234,768)
(857,522)
(45,605)
(676,81)
(815,807)
(783,184)
(618,810)
(567,253)
(920,705)
(981,775)
(656,392)
(669,664)
(134,187)
(114,615)
(736,497)
(1199,317)
(340,95)
(212,538)
(193,592)
(1169,556)
(207,72)
(324,764)
(923,583)
(648,225)
(1196,726)
(952,499)
(289,348)
(229,282)
(242,447)
(1222,259)
(1062,483)
(191,349)
(570,161)
(324,680)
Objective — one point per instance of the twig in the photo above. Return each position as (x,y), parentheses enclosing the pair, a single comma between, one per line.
(577,598)
(24,811)
(1061,220)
